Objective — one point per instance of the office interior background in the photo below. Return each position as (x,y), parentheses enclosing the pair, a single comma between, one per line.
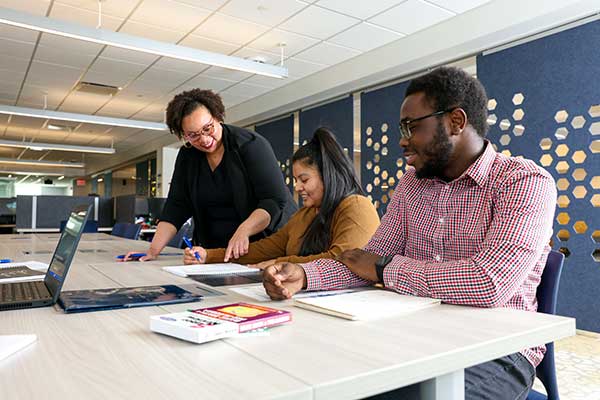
(348,64)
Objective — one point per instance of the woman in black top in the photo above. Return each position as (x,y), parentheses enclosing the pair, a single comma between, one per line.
(225,177)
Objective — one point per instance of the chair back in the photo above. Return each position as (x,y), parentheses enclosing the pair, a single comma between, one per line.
(186,229)
(127,230)
(91,226)
(547,295)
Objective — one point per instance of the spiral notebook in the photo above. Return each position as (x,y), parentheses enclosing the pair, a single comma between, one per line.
(209,269)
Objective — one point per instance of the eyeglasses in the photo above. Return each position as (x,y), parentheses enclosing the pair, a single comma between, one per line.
(207,130)
(405,124)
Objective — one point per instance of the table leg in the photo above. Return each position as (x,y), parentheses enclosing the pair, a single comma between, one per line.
(445,387)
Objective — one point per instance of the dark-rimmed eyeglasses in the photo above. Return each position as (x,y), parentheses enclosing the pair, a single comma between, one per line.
(405,124)
(207,130)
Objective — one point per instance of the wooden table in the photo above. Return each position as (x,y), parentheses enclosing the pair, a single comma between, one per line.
(114,354)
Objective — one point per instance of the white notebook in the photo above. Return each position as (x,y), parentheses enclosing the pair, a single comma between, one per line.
(22,271)
(209,269)
(369,304)
(10,344)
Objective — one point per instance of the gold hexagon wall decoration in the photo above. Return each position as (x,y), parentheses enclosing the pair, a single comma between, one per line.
(518,99)
(579,174)
(518,130)
(369,142)
(580,227)
(578,122)
(595,182)
(561,133)
(504,124)
(563,218)
(562,184)
(595,128)
(369,130)
(563,201)
(376,170)
(492,103)
(596,236)
(384,127)
(563,235)
(579,157)
(518,114)
(579,192)
(546,160)
(562,167)
(595,200)
(399,163)
(561,150)
(594,111)
(492,119)
(545,144)
(504,140)
(561,116)
(384,139)
(507,153)
(595,146)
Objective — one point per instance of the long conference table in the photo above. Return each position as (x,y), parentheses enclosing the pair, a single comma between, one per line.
(113,354)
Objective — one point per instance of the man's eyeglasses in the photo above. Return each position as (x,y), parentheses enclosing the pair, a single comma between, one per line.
(207,130)
(405,124)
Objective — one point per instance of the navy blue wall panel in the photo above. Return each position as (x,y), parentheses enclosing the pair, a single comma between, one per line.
(545,105)
(280,134)
(337,116)
(381,156)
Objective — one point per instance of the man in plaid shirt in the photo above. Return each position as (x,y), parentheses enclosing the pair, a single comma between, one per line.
(465,225)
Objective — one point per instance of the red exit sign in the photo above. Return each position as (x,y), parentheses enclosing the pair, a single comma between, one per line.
(80,182)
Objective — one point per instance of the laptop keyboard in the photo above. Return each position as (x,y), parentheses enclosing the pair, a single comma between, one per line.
(24,291)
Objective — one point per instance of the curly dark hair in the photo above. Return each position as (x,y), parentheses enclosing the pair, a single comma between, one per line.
(186,102)
(448,87)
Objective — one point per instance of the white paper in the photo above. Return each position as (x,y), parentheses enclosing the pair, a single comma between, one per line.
(10,344)
(34,265)
(209,269)
(257,292)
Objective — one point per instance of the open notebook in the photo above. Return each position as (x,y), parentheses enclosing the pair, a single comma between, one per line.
(368,304)
(210,269)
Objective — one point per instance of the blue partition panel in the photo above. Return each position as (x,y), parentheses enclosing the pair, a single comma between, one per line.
(337,116)
(381,156)
(545,105)
(280,134)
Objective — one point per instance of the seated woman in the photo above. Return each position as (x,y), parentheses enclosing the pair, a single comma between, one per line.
(336,215)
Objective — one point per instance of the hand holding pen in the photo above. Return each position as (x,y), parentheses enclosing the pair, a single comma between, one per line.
(192,255)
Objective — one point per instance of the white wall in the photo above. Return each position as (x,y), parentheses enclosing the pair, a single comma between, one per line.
(36,189)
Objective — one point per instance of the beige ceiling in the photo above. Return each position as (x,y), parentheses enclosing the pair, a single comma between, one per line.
(317,34)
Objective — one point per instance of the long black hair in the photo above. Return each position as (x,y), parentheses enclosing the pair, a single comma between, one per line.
(339,181)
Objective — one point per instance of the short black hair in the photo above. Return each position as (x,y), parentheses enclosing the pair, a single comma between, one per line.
(187,102)
(448,87)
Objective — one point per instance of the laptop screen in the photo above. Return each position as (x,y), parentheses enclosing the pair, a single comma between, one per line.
(65,250)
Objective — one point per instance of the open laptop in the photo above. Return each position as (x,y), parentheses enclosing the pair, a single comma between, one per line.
(18,295)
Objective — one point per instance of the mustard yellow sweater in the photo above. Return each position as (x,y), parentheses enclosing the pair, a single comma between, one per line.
(354,222)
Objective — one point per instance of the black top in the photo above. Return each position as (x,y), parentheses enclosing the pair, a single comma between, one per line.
(247,178)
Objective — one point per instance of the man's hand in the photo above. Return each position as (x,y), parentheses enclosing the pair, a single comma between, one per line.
(238,244)
(190,258)
(282,281)
(360,262)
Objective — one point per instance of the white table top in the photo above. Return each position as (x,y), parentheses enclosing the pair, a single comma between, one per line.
(96,355)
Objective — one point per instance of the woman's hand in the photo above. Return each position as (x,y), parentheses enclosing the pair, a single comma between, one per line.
(263,264)
(238,244)
(148,257)
(190,258)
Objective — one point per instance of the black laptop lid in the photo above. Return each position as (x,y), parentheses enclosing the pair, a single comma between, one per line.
(65,250)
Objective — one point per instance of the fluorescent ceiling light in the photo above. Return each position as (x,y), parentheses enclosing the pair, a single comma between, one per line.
(85,118)
(136,43)
(41,163)
(32,173)
(60,178)
(53,146)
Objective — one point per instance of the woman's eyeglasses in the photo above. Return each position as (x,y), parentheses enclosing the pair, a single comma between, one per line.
(207,130)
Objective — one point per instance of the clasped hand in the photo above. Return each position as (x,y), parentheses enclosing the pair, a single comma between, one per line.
(190,258)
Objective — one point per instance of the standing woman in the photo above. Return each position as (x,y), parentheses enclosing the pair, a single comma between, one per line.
(225,177)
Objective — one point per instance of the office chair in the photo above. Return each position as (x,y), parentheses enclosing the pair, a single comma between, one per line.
(186,229)
(547,294)
(127,230)
(91,226)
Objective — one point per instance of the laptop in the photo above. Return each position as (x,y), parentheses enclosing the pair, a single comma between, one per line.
(19,295)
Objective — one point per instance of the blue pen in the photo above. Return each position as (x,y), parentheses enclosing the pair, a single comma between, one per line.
(5,260)
(188,243)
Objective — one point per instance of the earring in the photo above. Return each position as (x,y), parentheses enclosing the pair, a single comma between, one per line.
(187,145)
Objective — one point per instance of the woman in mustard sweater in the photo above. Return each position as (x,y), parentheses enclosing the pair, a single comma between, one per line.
(336,216)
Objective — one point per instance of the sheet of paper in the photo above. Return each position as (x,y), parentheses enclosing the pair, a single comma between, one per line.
(209,269)
(257,292)
(33,265)
(10,344)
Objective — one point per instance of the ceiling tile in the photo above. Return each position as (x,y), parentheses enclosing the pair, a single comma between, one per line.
(60,50)
(15,64)
(35,94)
(208,4)
(26,122)
(253,54)
(269,82)
(459,6)
(38,7)
(18,34)
(230,100)
(358,9)
(118,73)
(265,12)
(164,79)
(115,8)
(169,15)
(294,43)
(136,57)
(48,75)
(327,52)
(365,37)
(206,44)
(13,48)
(174,65)
(229,29)
(227,74)
(121,108)
(411,16)
(299,68)
(84,17)
(207,83)
(318,22)
(84,103)
(151,32)
(245,90)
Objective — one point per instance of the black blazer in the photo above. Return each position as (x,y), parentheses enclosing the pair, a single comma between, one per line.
(254,175)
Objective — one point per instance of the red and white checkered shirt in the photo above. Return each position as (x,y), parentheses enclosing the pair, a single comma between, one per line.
(480,240)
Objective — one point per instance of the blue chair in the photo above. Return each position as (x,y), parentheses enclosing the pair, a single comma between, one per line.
(186,229)
(127,230)
(547,294)
(91,226)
